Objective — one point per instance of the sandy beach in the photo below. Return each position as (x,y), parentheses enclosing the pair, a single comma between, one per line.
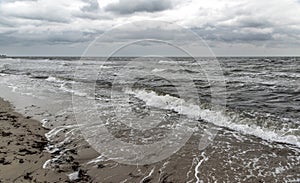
(22,149)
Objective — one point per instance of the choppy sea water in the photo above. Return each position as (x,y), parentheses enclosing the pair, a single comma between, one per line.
(258,135)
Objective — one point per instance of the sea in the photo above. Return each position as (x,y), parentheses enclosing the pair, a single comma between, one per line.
(164,119)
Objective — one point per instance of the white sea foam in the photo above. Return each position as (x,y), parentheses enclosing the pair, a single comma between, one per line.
(47,163)
(218,118)
(52,133)
(158,70)
(204,158)
(54,79)
(74,92)
(149,175)
(167,62)
(96,160)
(44,122)
(73,176)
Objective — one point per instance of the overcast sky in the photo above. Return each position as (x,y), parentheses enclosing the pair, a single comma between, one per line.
(229,27)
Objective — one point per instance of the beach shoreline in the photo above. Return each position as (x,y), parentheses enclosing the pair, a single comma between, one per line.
(22,149)
(23,155)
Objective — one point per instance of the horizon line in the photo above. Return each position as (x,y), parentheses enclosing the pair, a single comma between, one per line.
(16,56)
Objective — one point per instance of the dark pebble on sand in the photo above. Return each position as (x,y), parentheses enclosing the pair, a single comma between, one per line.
(26,151)
(100,166)
(73,151)
(5,134)
(147,180)
(40,145)
(27,176)
(75,166)
(4,162)
(83,176)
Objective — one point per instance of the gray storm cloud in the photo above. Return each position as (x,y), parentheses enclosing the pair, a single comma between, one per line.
(92,6)
(251,23)
(132,6)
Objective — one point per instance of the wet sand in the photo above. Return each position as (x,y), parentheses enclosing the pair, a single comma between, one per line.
(231,157)
(22,149)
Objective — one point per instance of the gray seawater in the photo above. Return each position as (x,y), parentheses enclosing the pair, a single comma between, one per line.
(262,106)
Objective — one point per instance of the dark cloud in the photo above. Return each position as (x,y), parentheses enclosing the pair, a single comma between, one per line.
(252,23)
(7,38)
(132,6)
(5,22)
(46,37)
(232,35)
(44,18)
(92,6)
